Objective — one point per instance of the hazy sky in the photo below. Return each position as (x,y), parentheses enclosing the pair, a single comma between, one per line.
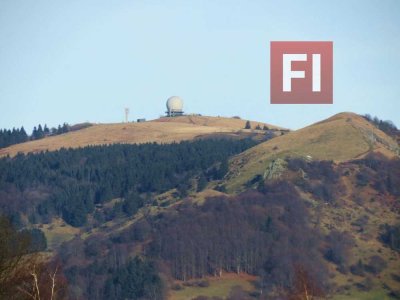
(75,61)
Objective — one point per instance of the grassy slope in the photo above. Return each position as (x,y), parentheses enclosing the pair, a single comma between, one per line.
(58,232)
(342,137)
(215,122)
(219,287)
(164,130)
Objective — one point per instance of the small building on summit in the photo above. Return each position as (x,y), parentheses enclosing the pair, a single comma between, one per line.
(174,106)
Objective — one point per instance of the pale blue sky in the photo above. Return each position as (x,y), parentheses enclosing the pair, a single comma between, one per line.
(76,61)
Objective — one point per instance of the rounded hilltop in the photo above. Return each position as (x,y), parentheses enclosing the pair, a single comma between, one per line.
(174,127)
(163,130)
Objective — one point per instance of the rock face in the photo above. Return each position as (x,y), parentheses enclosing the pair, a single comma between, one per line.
(275,169)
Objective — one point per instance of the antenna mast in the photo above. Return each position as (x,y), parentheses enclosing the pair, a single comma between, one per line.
(126,114)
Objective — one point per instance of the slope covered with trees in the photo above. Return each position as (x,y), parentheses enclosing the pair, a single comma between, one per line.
(264,233)
(299,226)
(70,182)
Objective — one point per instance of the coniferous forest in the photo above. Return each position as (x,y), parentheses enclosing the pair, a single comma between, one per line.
(70,182)
(10,137)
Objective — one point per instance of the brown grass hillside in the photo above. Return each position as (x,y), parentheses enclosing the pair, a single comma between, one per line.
(164,130)
(233,123)
(339,138)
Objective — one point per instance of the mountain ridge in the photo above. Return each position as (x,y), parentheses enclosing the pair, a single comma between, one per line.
(163,130)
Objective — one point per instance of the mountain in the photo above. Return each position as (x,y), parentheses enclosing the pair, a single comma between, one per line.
(309,212)
(163,130)
(346,173)
(339,138)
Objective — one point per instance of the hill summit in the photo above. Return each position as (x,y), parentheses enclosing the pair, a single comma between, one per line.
(342,137)
(163,130)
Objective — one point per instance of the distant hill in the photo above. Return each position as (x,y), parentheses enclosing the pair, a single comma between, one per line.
(164,130)
(339,138)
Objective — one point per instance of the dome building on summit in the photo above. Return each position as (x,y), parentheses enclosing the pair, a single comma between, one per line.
(174,106)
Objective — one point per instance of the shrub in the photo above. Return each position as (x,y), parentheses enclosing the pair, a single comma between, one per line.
(357,269)
(189,283)
(395,277)
(201,298)
(37,238)
(376,264)
(365,285)
(324,192)
(204,283)
(363,179)
(391,236)
(92,248)
(361,221)
(256,179)
(339,248)
(295,164)
(237,293)
(177,287)
(395,294)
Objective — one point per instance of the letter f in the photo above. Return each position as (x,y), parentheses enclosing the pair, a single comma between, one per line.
(288,74)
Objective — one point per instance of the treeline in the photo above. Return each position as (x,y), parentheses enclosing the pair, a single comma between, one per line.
(258,127)
(11,137)
(386,126)
(40,132)
(70,182)
(15,136)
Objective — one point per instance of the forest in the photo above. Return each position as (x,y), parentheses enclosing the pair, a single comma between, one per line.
(263,233)
(10,137)
(70,182)
(268,231)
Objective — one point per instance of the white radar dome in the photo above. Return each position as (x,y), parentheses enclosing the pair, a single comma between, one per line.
(174,104)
